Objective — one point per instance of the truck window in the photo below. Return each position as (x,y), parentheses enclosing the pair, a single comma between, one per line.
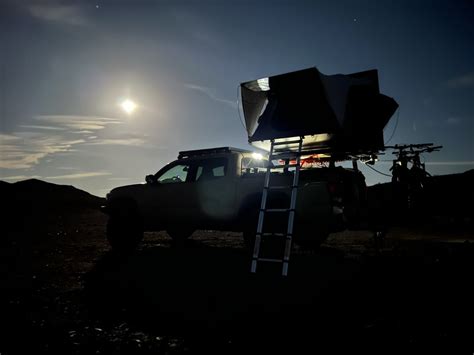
(211,169)
(252,166)
(175,174)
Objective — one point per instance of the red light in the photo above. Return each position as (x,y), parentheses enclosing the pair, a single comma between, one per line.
(332,187)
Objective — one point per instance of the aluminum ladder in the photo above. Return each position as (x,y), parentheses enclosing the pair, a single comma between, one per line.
(287,155)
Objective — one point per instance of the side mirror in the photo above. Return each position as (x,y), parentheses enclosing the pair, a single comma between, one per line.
(150,179)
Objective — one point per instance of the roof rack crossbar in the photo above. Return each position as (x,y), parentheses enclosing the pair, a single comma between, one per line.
(200,152)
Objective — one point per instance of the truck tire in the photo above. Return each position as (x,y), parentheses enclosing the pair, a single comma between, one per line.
(124,233)
(311,241)
(249,240)
(310,245)
(248,216)
(179,235)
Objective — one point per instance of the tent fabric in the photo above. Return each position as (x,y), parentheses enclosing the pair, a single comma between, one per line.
(339,112)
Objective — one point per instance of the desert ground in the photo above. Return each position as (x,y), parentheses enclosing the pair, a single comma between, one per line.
(65,292)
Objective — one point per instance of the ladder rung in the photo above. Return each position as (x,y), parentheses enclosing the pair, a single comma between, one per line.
(282,187)
(284,151)
(270,260)
(284,166)
(275,234)
(278,209)
(287,142)
(285,155)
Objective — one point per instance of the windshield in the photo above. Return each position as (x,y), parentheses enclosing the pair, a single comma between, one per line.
(175,174)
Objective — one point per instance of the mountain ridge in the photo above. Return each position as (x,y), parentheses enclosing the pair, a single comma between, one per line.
(37,194)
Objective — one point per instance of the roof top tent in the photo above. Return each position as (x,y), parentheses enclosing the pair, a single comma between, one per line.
(340,115)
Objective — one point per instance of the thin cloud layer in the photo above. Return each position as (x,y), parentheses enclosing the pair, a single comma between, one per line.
(132,141)
(19,177)
(462,81)
(76,124)
(75,176)
(47,128)
(71,15)
(78,175)
(453,121)
(450,163)
(22,150)
(118,178)
(211,93)
(52,134)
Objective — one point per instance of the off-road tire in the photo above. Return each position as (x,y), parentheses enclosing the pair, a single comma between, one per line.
(179,235)
(249,239)
(124,233)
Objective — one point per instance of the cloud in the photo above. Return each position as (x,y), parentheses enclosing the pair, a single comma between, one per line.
(442,123)
(453,121)
(22,150)
(79,124)
(60,134)
(81,175)
(78,175)
(127,139)
(211,93)
(19,177)
(450,162)
(67,168)
(71,15)
(118,179)
(48,128)
(463,81)
(119,141)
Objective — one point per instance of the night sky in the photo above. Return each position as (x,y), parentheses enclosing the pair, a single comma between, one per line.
(66,66)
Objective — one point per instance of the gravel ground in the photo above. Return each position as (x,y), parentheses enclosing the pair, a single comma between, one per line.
(65,293)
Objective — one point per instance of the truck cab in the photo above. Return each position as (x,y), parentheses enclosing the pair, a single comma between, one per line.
(199,187)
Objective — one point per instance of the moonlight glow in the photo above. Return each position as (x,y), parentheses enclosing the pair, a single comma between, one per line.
(128,106)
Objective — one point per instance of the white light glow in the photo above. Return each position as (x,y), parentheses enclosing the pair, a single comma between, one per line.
(257,156)
(128,106)
(263,84)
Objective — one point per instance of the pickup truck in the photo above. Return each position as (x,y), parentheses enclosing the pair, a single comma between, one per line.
(221,189)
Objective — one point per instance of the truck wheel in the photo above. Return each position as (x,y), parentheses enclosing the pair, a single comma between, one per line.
(249,240)
(249,218)
(179,235)
(311,240)
(311,245)
(124,233)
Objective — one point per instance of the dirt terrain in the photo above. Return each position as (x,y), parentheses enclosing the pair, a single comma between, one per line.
(64,292)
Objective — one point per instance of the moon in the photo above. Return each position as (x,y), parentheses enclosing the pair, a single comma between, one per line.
(128,106)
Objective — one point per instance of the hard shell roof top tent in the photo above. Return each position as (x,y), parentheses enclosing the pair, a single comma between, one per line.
(342,115)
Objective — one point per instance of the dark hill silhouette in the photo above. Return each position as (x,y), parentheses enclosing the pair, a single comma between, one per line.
(44,195)
(450,196)
(33,204)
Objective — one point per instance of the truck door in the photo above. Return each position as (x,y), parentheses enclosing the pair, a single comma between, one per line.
(170,199)
(215,190)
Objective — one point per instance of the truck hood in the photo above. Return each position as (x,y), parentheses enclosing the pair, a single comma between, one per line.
(125,191)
